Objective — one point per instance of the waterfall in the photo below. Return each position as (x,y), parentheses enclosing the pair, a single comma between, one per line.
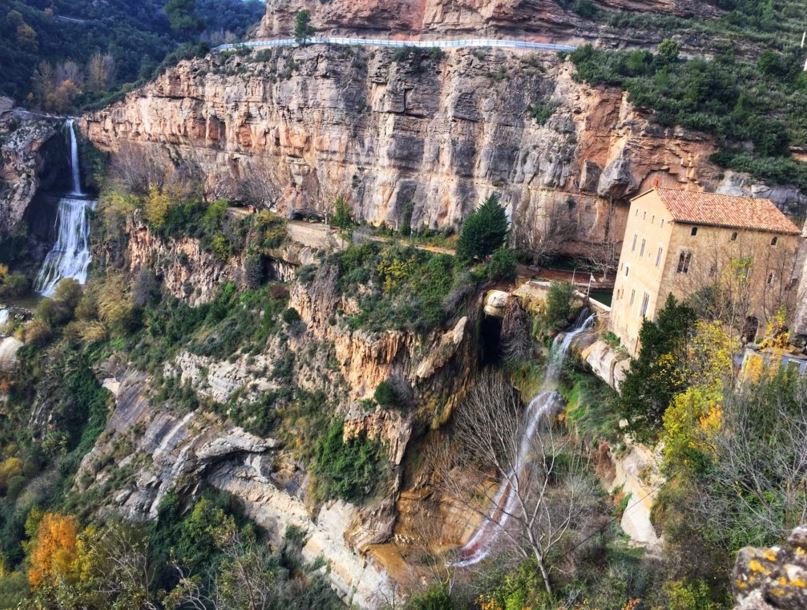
(546,403)
(75,170)
(70,255)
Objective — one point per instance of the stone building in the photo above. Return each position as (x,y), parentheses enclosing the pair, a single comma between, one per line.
(681,242)
(800,317)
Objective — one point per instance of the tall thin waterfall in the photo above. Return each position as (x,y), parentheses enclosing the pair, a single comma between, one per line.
(544,404)
(70,255)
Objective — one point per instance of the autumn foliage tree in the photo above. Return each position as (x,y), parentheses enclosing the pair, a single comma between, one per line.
(54,551)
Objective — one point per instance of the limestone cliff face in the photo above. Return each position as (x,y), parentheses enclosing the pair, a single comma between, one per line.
(439,132)
(432,17)
(30,158)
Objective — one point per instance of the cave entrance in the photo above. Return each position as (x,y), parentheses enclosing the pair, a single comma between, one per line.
(490,340)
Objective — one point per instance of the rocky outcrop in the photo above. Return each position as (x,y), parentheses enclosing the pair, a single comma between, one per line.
(30,158)
(187,270)
(774,578)
(432,17)
(441,132)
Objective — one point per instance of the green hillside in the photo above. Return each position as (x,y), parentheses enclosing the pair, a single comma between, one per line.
(136,35)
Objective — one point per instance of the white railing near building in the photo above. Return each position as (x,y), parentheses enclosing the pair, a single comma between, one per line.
(400,44)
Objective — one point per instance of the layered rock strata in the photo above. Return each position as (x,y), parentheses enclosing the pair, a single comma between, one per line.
(434,133)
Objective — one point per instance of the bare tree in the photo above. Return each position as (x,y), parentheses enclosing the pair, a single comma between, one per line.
(100,71)
(134,169)
(516,340)
(243,579)
(258,183)
(758,481)
(544,501)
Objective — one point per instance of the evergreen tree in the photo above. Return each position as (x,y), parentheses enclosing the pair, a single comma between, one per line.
(303,30)
(484,231)
(183,17)
(658,374)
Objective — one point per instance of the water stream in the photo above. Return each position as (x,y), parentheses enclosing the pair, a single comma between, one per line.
(546,403)
(70,255)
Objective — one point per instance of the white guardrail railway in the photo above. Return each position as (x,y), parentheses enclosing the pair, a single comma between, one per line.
(401,44)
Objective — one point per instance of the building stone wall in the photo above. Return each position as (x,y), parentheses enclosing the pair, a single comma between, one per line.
(757,276)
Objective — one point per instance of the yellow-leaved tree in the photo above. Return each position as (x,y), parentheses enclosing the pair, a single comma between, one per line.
(54,551)
(695,415)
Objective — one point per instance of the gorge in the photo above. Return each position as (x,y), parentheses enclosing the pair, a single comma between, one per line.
(329,338)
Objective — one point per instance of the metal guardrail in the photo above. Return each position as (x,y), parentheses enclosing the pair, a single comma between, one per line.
(400,44)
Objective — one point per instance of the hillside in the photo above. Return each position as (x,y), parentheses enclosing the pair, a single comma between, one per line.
(136,35)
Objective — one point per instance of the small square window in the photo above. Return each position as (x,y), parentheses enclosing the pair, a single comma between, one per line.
(734,236)
(774,241)
(694,231)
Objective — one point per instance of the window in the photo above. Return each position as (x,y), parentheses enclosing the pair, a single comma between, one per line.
(658,256)
(662,223)
(734,236)
(633,247)
(694,231)
(713,270)
(637,211)
(627,270)
(684,260)
(774,241)
(632,296)
(645,303)
(653,219)
(644,215)
(771,277)
(641,250)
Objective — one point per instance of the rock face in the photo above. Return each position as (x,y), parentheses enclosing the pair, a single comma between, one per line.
(188,271)
(30,158)
(432,17)
(438,132)
(773,578)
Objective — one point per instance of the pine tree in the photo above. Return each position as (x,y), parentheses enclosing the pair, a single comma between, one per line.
(484,231)
(658,374)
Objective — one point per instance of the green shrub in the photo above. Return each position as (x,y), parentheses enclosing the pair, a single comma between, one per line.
(386,395)
(342,216)
(347,470)
(401,288)
(542,111)
(436,597)
(291,316)
(559,301)
(502,265)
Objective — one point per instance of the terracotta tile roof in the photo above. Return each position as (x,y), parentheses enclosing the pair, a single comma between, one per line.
(725,211)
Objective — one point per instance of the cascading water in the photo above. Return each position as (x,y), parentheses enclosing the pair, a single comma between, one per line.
(544,404)
(70,255)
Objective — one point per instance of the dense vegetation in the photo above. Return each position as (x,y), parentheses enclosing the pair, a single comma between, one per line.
(62,53)
(759,100)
